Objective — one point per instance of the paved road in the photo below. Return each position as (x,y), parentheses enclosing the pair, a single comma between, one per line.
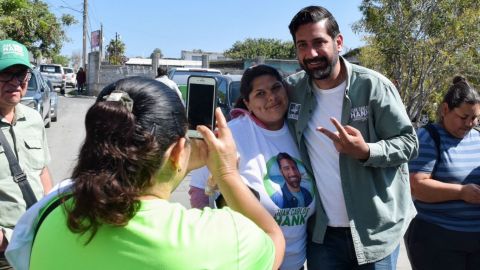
(66,135)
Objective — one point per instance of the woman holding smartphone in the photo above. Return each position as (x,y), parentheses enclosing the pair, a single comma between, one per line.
(269,160)
(118,216)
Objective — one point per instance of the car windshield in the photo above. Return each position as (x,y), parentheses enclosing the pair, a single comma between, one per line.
(68,70)
(50,69)
(181,77)
(32,83)
(234,91)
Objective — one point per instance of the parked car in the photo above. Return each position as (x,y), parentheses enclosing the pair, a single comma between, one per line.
(38,96)
(70,77)
(228,91)
(55,74)
(180,76)
(53,103)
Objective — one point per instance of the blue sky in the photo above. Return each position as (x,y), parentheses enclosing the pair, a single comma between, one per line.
(209,25)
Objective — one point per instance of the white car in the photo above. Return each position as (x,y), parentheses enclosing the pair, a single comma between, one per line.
(55,74)
(70,77)
(180,76)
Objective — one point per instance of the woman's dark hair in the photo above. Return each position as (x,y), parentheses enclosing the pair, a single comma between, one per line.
(314,14)
(122,151)
(460,92)
(248,76)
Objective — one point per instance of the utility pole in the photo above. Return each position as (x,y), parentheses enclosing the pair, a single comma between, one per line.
(84,55)
(116,48)
(101,42)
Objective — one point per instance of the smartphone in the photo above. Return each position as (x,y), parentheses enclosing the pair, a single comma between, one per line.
(201,103)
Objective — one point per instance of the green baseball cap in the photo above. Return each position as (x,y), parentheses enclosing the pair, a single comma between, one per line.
(13,53)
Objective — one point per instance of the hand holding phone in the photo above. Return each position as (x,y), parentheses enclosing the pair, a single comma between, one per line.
(222,154)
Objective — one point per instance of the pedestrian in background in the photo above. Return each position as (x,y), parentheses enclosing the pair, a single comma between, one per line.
(24,131)
(81,80)
(134,156)
(446,186)
(162,77)
(350,123)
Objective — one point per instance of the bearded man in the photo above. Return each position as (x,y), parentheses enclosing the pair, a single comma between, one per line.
(354,132)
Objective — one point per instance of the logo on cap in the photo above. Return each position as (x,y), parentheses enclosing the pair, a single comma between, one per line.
(12,49)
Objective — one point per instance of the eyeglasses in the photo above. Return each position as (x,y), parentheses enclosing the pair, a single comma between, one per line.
(21,76)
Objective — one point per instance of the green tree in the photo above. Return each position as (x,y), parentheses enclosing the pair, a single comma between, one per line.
(60,59)
(156,50)
(31,23)
(116,51)
(421,45)
(265,47)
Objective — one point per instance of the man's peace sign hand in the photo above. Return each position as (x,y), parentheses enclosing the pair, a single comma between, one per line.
(347,140)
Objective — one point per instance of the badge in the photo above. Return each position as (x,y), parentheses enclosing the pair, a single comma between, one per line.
(293,111)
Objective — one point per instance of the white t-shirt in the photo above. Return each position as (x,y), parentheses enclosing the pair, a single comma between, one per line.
(324,157)
(258,149)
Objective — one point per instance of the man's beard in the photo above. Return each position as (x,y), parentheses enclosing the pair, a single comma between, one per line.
(320,73)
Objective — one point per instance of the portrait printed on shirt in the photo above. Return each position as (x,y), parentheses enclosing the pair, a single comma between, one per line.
(287,183)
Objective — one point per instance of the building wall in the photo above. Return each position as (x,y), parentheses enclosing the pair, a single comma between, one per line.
(99,76)
(197,56)
(287,67)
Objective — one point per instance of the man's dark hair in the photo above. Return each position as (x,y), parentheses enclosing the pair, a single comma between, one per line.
(283,155)
(161,71)
(314,14)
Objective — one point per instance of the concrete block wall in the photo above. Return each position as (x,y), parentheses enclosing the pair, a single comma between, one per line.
(99,76)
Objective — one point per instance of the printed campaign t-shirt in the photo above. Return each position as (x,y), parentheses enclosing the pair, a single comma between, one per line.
(258,149)
(161,235)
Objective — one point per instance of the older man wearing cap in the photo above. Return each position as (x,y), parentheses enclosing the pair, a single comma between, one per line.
(25,134)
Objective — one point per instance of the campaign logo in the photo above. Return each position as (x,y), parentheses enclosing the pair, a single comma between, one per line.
(359,113)
(293,111)
(12,49)
(290,188)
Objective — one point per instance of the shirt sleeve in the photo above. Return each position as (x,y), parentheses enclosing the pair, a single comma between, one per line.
(238,242)
(255,247)
(398,142)
(427,155)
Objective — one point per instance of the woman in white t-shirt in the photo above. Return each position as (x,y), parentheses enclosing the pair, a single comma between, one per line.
(269,161)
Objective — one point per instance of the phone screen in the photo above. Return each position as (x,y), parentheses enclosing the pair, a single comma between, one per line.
(201,102)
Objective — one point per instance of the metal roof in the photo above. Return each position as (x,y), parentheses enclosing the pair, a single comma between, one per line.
(164,62)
